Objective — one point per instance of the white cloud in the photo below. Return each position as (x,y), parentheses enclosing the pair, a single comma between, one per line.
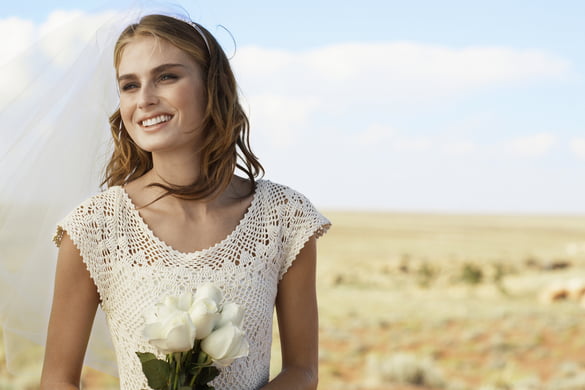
(279,118)
(374,135)
(393,71)
(387,138)
(412,144)
(577,146)
(535,145)
(458,148)
(364,80)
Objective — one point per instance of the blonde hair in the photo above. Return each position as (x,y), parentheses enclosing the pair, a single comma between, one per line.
(225,127)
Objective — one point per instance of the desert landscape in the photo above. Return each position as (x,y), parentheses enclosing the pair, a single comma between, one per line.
(432,301)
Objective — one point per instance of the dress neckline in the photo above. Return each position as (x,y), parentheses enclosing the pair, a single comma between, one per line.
(150,233)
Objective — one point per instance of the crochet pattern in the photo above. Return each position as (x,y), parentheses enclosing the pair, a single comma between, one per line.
(133,269)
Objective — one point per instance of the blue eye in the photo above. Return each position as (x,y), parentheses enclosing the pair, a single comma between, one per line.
(168,76)
(129,86)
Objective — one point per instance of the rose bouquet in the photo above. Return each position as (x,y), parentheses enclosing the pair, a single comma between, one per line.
(198,334)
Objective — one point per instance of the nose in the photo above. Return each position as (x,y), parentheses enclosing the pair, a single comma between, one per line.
(147,96)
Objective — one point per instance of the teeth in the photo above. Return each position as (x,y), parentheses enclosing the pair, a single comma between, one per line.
(156,120)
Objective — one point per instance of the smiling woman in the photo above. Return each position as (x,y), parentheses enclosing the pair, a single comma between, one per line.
(175,217)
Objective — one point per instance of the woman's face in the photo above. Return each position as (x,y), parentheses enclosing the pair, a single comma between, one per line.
(162,96)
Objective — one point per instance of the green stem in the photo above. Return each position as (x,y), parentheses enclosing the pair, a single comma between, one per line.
(202,360)
(195,375)
(177,370)
(169,358)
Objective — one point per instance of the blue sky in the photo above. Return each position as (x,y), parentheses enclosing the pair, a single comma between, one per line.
(461,106)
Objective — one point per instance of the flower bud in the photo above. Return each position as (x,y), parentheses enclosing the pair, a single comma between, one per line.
(204,314)
(209,290)
(231,313)
(173,333)
(225,344)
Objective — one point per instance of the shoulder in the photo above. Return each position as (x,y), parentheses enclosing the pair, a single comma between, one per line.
(279,194)
(111,194)
(99,203)
(91,216)
(295,210)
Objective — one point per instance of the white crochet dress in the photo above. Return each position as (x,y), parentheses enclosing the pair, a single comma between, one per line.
(133,269)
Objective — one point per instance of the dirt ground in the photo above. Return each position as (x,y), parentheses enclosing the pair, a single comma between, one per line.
(451,302)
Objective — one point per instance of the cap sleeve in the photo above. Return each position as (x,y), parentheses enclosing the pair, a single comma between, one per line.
(83,225)
(90,229)
(300,221)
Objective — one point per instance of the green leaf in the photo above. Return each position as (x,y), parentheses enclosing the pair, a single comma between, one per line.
(146,356)
(207,375)
(157,373)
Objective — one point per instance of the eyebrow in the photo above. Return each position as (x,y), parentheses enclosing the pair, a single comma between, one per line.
(158,69)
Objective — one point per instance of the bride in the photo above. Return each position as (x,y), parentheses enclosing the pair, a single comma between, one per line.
(175,216)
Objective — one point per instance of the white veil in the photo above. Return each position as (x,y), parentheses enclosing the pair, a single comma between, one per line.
(54,144)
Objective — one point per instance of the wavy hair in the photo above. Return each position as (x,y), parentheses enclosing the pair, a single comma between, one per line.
(225,126)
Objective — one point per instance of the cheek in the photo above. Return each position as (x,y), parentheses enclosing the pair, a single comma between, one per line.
(183,98)
(194,103)
(191,97)
(125,112)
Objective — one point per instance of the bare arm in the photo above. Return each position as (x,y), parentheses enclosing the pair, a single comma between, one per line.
(296,308)
(75,301)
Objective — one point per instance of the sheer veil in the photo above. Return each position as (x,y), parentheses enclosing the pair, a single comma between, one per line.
(55,142)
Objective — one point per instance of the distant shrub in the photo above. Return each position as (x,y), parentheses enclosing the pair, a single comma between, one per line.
(426,274)
(404,369)
(500,271)
(471,274)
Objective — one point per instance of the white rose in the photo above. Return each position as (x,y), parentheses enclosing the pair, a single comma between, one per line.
(225,344)
(204,315)
(171,301)
(184,301)
(173,332)
(167,308)
(209,291)
(231,313)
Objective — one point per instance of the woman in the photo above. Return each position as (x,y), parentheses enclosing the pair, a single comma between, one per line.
(175,216)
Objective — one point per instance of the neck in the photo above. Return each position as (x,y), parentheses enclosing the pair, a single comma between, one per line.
(178,169)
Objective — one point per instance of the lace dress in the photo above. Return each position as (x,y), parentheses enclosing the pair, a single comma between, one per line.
(133,269)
